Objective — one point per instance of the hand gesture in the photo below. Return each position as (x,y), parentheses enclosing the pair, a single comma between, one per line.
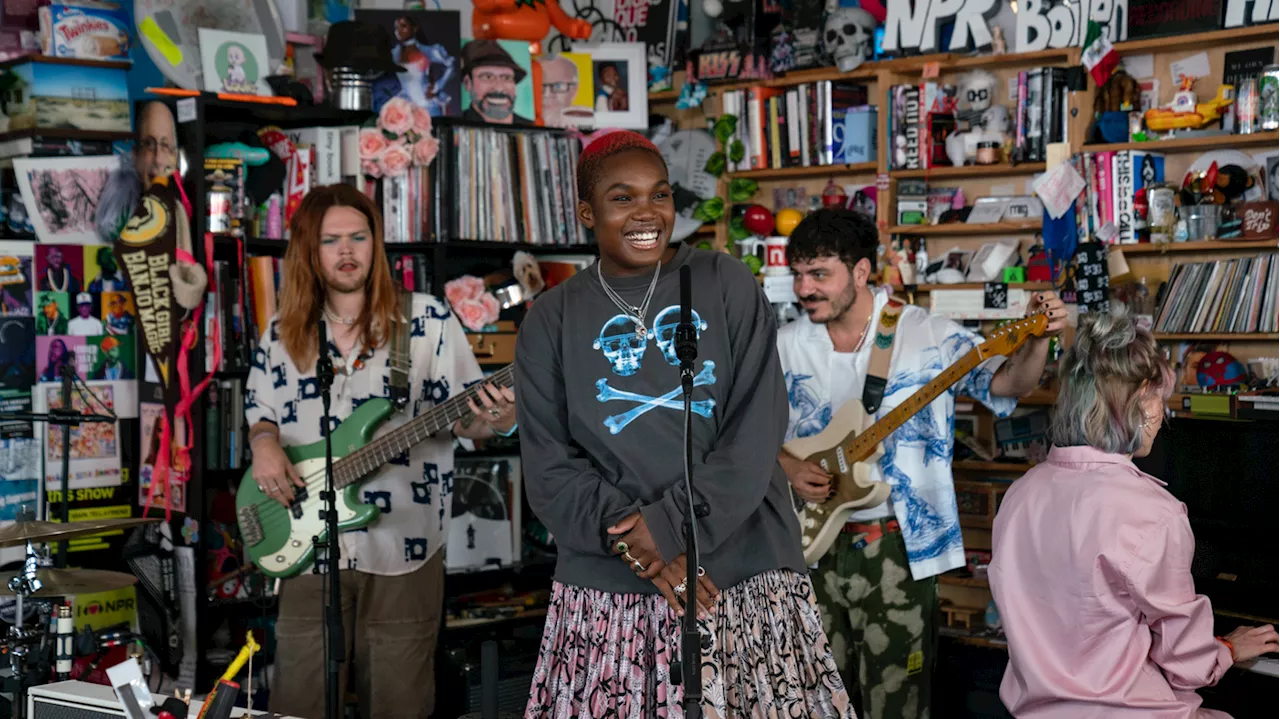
(1053,308)
(273,471)
(671,582)
(1252,642)
(499,407)
(809,480)
(636,546)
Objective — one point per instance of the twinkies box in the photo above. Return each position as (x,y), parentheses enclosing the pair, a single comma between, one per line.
(89,31)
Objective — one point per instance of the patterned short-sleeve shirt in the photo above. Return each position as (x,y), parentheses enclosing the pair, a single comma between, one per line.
(414,490)
(917,455)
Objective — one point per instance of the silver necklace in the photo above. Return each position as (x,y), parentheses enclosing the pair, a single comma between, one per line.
(865,329)
(637,314)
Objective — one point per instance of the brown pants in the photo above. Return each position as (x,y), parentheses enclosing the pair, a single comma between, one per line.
(391,625)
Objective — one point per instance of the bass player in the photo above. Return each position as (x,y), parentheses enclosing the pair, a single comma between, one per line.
(392,580)
(876,585)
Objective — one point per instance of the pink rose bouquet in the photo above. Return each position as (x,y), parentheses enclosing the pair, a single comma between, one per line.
(475,306)
(401,139)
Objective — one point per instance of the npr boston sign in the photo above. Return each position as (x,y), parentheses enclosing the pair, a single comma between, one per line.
(919,26)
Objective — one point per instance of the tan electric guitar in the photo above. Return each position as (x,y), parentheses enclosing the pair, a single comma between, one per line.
(848,449)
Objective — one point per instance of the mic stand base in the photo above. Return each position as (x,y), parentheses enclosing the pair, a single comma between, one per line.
(335,640)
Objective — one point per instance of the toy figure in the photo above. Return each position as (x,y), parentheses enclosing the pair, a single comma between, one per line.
(1184,113)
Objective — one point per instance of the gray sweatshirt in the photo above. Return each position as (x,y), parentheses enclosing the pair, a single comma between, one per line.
(595,448)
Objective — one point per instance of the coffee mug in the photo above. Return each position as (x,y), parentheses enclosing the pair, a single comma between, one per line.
(775,256)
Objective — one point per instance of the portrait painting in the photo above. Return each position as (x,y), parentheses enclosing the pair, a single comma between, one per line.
(234,62)
(497,86)
(427,44)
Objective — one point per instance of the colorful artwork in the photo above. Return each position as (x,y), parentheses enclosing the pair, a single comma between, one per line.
(234,62)
(17,353)
(568,90)
(53,311)
(64,192)
(427,44)
(59,268)
(149,417)
(496,87)
(17,264)
(95,449)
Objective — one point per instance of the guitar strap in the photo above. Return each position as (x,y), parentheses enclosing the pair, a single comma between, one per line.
(399,354)
(881,352)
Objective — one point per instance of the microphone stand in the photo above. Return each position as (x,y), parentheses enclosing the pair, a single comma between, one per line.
(335,645)
(686,345)
(66,418)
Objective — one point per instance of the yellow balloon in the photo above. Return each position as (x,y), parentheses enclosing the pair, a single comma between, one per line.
(786,221)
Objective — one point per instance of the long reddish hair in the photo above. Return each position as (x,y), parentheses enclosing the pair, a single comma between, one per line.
(304,289)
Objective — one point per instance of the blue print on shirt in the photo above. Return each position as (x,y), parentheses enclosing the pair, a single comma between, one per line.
(415,549)
(418,328)
(401,459)
(436,391)
(623,344)
(932,531)
(260,359)
(275,333)
(921,427)
(437,310)
(278,376)
(308,388)
(422,491)
(812,416)
(440,344)
(333,424)
(290,413)
(381,500)
(250,398)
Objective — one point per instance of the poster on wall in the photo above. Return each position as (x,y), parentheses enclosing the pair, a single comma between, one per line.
(17,277)
(149,414)
(619,73)
(235,62)
(568,90)
(19,477)
(95,447)
(64,192)
(428,45)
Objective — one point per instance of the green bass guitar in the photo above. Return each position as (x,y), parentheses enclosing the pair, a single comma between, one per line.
(278,538)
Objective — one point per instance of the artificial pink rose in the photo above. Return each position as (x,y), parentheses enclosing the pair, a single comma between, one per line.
(424,150)
(370,168)
(372,143)
(421,121)
(396,116)
(462,289)
(395,160)
(472,315)
(491,307)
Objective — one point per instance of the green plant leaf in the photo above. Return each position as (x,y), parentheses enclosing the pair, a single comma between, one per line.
(741,189)
(715,164)
(736,151)
(738,232)
(725,127)
(710,210)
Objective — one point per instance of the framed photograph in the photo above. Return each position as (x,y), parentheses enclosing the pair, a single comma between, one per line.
(234,62)
(497,82)
(568,90)
(484,529)
(620,75)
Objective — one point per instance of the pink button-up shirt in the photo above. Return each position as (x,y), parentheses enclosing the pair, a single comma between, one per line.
(1091,571)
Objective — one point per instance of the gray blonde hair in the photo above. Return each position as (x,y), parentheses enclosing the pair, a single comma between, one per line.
(1102,379)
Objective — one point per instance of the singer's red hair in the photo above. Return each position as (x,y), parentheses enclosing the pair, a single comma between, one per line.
(591,161)
(303,292)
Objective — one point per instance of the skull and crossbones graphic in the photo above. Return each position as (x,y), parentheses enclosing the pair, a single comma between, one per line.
(618,422)
(622,345)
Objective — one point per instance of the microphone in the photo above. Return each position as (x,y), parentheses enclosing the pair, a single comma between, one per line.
(686,340)
(324,366)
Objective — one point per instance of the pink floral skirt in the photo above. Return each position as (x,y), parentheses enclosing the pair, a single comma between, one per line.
(764,654)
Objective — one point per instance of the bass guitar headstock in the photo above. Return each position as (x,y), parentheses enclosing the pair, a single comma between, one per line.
(1009,338)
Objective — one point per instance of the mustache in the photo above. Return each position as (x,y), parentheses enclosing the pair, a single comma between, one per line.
(812,298)
(499,96)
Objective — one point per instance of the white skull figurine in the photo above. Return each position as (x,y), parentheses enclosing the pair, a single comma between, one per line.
(849,37)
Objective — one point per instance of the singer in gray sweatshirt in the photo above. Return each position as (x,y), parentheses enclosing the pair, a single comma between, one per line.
(602,440)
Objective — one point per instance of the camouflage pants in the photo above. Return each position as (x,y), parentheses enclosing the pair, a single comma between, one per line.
(880,622)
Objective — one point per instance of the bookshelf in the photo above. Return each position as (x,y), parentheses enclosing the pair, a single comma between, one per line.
(1201,246)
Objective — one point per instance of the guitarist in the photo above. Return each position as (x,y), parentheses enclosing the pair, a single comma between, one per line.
(392,578)
(877,584)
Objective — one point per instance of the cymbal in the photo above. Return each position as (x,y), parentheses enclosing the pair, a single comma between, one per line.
(63,582)
(20,533)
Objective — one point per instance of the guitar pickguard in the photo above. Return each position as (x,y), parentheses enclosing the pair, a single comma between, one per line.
(311,524)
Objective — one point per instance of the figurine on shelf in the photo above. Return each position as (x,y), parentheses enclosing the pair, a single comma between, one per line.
(979,118)
(1184,113)
(850,37)
(833,195)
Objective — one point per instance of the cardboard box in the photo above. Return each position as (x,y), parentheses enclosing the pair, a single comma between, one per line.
(85,31)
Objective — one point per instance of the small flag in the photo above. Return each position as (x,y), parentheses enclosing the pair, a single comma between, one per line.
(1099,57)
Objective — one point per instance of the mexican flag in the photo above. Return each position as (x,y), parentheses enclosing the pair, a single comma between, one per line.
(1098,57)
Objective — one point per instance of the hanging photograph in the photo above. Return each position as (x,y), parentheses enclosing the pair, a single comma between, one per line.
(95,449)
(234,62)
(485,530)
(496,84)
(427,44)
(64,192)
(619,73)
(17,281)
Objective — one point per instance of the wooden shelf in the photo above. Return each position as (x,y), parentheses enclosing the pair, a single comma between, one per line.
(980,285)
(665,96)
(795,173)
(1038,398)
(1218,336)
(951,62)
(968,171)
(1147,248)
(63,133)
(958,581)
(974,465)
(963,229)
(76,62)
(1192,144)
(1199,40)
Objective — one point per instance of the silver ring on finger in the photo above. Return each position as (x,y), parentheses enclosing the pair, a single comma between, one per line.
(272,490)
(635,563)
(679,588)
(701,572)
(495,413)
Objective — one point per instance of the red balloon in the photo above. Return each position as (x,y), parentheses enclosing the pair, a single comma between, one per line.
(758,220)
